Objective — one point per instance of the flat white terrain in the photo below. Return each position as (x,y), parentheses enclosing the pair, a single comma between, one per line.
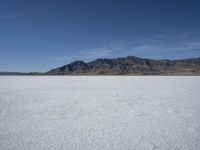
(102,112)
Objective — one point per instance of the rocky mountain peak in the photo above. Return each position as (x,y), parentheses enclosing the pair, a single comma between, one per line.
(130,65)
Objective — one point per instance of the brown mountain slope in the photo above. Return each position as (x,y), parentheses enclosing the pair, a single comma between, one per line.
(130,65)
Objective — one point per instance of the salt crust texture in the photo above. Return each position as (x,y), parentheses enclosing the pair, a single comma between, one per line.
(99,112)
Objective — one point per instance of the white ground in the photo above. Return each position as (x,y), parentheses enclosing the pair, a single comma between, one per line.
(136,113)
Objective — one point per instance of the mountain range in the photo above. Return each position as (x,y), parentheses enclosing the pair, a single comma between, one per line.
(130,65)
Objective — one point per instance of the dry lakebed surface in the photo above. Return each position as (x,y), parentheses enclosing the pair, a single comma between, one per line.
(99,112)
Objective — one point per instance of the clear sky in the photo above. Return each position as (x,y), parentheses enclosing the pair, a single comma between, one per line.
(37,35)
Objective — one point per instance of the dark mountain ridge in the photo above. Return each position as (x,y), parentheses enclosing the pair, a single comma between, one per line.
(130,65)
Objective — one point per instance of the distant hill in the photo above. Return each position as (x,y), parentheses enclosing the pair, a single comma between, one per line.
(130,65)
(20,73)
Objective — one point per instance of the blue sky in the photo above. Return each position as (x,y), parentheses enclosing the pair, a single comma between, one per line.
(37,35)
